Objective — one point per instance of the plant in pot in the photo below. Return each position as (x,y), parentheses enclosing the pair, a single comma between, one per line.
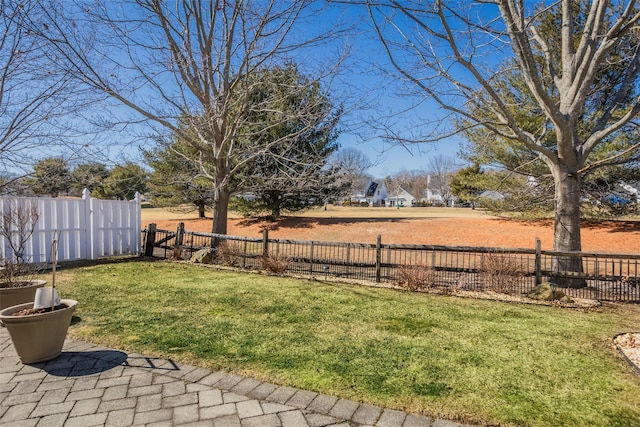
(38,329)
(18,281)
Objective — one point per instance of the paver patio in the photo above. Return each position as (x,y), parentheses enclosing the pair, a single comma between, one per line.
(89,385)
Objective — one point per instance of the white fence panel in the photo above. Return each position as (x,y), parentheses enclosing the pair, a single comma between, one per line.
(85,228)
(111,227)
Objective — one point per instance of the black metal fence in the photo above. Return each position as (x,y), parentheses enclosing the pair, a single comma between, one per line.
(604,277)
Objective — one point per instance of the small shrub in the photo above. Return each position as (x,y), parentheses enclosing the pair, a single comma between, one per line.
(499,272)
(416,277)
(364,204)
(229,253)
(275,263)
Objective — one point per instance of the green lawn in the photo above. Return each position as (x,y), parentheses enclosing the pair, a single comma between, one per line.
(469,360)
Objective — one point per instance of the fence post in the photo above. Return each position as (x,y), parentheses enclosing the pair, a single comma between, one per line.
(244,255)
(177,248)
(180,234)
(311,259)
(150,240)
(538,262)
(265,243)
(378,257)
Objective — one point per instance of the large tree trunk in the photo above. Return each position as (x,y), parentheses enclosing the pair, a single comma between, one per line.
(201,210)
(567,228)
(220,211)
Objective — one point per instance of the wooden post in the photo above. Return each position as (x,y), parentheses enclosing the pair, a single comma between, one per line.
(538,262)
(265,243)
(378,257)
(150,240)
(179,235)
(177,246)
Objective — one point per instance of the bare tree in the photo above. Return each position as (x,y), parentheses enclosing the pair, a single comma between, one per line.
(414,181)
(441,169)
(457,54)
(32,93)
(353,165)
(184,67)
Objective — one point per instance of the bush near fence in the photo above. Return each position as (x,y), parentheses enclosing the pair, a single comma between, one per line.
(608,277)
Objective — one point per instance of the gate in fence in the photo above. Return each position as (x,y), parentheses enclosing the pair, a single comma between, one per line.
(605,277)
(85,228)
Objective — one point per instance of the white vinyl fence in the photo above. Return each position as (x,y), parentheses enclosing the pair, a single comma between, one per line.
(85,228)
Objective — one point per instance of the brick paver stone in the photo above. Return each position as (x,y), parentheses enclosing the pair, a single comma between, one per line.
(85,407)
(86,420)
(227,421)
(218,411)
(270,420)
(367,414)
(293,419)
(122,417)
(245,386)
(272,408)
(153,416)
(229,397)
(56,420)
(145,390)
(281,394)
(209,398)
(227,382)
(319,420)
(249,408)
(114,405)
(262,391)
(301,399)
(115,392)
(211,379)
(85,394)
(391,418)
(186,414)
(173,388)
(149,403)
(344,409)
(180,400)
(18,412)
(196,375)
(56,408)
(417,421)
(322,403)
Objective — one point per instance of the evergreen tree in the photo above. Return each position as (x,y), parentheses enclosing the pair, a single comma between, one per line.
(51,177)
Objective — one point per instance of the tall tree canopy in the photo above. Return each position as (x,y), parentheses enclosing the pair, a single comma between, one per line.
(290,172)
(33,93)
(579,80)
(50,177)
(175,181)
(169,61)
(123,182)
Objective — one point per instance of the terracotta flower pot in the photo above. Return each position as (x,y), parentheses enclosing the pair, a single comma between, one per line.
(38,337)
(19,294)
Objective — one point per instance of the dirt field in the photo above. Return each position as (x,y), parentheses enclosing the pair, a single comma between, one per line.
(432,226)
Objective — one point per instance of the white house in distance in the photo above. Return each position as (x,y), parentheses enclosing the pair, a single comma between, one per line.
(400,197)
(375,194)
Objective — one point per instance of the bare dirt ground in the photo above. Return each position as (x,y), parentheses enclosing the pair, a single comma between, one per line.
(429,226)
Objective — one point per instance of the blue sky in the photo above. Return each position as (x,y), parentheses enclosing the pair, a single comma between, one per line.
(362,81)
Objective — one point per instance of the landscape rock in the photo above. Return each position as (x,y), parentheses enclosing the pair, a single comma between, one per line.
(546,292)
(204,256)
